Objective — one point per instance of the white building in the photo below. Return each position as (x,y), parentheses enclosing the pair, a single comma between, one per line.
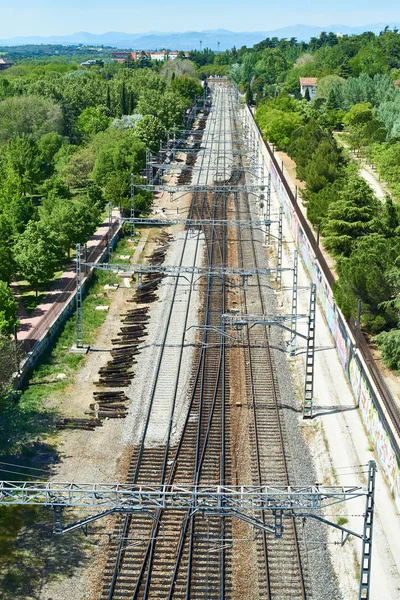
(163,55)
(310,84)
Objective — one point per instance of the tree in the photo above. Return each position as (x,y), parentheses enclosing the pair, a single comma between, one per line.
(6,255)
(249,96)
(48,145)
(364,275)
(325,165)
(150,131)
(370,60)
(278,124)
(125,152)
(169,107)
(87,217)
(126,122)
(131,102)
(304,142)
(179,67)
(188,87)
(60,216)
(123,103)
(8,309)
(389,345)
(37,253)
(78,170)
(389,113)
(23,159)
(118,187)
(329,84)
(364,128)
(19,211)
(92,120)
(350,217)
(29,115)
(108,98)
(389,220)
(319,202)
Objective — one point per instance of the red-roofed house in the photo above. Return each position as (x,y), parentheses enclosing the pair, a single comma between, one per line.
(310,84)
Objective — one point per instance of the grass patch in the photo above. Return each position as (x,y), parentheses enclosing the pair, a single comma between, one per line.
(32,414)
(342,521)
(126,247)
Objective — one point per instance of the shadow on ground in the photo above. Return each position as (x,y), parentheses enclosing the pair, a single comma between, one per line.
(31,555)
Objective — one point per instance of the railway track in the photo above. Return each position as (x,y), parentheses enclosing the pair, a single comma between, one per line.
(281,573)
(168,555)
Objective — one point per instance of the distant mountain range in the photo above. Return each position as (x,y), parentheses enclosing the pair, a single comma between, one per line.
(190,40)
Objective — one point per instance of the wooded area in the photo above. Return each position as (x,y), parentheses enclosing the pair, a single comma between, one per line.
(69,140)
(357,108)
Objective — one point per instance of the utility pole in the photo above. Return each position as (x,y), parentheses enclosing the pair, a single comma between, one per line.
(365,571)
(200,44)
(132,207)
(310,352)
(79,347)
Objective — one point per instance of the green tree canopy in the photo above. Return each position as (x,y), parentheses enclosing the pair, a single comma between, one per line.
(29,115)
(37,253)
(169,107)
(93,119)
(6,255)
(150,131)
(278,124)
(8,309)
(350,217)
(188,87)
(364,275)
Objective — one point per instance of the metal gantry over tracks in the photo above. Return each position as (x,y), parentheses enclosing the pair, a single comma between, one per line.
(242,502)
(249,503)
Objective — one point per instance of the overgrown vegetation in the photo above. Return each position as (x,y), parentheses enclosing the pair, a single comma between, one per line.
(357,106)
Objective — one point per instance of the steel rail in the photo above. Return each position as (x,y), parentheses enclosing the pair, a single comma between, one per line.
(255,415)
(201,362)
(128,518)
(200,456)
(150,548)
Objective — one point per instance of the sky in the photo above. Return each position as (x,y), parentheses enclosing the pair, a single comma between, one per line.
(61,17)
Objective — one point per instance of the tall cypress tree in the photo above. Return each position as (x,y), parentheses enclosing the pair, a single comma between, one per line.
(124,110)
(131,103)
(108,98)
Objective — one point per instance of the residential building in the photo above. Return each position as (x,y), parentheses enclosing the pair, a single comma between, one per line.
(121,57)
(89,63)
(5,63)
(310,84)
(159,55)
